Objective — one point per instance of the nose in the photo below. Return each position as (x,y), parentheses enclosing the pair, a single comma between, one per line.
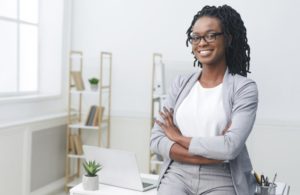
(202,42)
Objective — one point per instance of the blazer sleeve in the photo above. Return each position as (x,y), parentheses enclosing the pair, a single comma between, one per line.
(228,146)
(159,142)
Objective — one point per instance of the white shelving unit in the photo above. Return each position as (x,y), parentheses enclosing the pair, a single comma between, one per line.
(77,116)
(157,96)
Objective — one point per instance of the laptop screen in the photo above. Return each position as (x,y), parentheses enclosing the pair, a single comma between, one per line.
(119,167)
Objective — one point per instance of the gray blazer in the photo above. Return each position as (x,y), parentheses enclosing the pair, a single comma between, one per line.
(240,99)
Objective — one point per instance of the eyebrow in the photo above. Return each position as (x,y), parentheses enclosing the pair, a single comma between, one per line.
(208,31)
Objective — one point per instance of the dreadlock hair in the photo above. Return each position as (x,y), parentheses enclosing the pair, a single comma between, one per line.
(237,53)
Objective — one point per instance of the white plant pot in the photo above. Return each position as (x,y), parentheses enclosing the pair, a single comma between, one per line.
(94,87)
(90,183)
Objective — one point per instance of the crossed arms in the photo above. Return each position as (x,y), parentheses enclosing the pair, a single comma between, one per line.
(167,140)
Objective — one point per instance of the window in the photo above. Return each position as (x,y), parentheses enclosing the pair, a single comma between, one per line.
(19,48)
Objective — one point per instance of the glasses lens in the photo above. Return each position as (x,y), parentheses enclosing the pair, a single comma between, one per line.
(194,39)
(210,37)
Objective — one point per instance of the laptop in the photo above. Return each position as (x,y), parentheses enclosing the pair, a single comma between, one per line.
(119,168)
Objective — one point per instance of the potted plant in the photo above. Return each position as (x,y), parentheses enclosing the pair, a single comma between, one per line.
(90,180)
(94,83)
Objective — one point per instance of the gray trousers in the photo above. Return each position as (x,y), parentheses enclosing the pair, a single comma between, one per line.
(184,179)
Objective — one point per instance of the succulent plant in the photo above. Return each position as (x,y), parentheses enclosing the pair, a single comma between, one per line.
(94,81)
(91,168)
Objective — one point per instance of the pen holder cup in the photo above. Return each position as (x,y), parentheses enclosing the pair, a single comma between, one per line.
(266,190)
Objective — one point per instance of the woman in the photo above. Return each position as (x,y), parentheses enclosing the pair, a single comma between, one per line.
(208,115)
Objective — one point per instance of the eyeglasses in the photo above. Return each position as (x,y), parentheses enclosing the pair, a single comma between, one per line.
(208,38)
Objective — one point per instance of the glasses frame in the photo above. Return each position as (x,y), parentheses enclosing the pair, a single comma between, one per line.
(199,38)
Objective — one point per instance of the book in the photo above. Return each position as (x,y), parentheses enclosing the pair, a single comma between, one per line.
(71,148)
(99,116)
(88,116)
(96,117)
(77,78)
(91,115)
(78,144)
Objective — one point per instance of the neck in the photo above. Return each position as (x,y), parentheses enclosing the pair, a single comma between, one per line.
(212,76)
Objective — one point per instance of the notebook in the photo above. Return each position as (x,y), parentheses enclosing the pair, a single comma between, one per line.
(119,168)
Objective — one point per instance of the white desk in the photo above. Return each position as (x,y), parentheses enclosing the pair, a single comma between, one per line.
(112,190)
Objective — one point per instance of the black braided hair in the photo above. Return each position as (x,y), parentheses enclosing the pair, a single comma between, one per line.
(238,52)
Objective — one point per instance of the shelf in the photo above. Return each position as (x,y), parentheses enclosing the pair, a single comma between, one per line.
(156,96)
(82,126)
(86,105)
(156,162)
(75,156)
(87,92)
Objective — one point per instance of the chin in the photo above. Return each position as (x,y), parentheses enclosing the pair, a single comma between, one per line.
(209,61)
(205,61)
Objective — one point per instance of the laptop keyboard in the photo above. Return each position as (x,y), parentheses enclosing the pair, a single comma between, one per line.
(146,184)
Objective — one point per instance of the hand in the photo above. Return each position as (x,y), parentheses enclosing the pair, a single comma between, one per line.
(226,128)
(171,131)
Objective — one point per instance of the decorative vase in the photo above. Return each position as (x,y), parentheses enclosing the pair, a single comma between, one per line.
(90,183)
(94,87)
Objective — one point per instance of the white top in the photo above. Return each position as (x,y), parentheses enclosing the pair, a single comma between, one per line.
(202,114)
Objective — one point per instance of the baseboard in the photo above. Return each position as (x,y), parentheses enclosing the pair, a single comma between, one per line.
(51,188)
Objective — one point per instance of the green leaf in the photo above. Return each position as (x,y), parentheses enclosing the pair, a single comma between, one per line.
(92,167)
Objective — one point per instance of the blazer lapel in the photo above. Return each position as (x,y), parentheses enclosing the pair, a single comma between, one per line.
(227,93)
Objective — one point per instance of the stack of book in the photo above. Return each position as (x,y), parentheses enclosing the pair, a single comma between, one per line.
(94,116)
(75,144)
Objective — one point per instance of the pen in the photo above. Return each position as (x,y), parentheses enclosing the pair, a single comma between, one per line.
(267,181)
(262,178)
(257,178)
(273,182)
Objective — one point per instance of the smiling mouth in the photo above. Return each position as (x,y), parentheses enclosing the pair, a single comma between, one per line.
(204,52)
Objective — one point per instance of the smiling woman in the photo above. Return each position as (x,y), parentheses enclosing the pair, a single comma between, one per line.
(209,115)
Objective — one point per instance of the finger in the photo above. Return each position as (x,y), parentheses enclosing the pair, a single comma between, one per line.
(162,125)
(229,124)
(163,115)
(169,119)
(172,110)
(226,128)
(223,132)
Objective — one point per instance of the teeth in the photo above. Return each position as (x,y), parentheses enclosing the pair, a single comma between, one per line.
(205,52)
